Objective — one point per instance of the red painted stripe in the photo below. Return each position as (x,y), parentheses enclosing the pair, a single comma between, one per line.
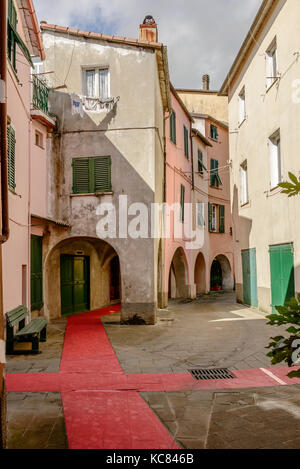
(113,420)
(86,346)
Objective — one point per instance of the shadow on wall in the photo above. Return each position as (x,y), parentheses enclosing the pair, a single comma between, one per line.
(78,137)
(178,278)
(242,227)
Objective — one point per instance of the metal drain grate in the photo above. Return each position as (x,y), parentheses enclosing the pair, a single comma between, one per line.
(221,373)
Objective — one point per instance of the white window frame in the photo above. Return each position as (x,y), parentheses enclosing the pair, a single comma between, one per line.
(214,218)
(271,64)
(97,69)
(244,183)
(39,141)
(275,159)
(242,106)
(200,214)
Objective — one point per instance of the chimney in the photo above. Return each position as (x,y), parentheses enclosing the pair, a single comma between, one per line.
(148,30)
(205,81)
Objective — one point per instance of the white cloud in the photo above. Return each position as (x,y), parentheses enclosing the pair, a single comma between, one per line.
(202,36)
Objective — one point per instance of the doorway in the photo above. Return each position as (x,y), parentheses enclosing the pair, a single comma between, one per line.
(115,279)
(75,276)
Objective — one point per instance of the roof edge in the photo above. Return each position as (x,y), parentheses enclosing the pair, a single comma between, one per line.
(264,11)
(99,36)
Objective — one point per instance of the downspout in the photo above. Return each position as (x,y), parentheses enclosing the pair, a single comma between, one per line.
(4,207)
(3,125)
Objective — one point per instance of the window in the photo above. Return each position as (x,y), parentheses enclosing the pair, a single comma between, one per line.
(271,64)
(212,218)
(244,183)
(39,139)
(11,157)
(97,83)
(200,214)
(215,180)
(13,38)
(201,166)
(182,191)
(242,106)
(215,213)
(275,159)
(186,141)
(91,175)
(213,132)
(173,127)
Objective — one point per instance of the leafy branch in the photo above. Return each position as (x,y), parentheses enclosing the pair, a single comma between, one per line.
(291,188)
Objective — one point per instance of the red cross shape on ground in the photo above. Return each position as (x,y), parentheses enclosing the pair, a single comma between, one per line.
(102,405)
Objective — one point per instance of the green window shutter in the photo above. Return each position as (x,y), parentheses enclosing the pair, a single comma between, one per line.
(182,191)
(214,132)
(91,175)
(36,272)
(215,180)
(102,174)
(209,217)
(12,14)
(173,127)
(186,141)
(212,172)
(11,157)
(221,219)
(81,176)
(200,162)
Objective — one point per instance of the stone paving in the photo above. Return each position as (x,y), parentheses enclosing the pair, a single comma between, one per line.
(184,337)
(256,418)
(208,332)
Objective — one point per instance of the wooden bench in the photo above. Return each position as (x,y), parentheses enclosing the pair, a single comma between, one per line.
(33,332)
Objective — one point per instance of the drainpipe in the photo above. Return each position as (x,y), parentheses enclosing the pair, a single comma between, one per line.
(3,124)
(3,207)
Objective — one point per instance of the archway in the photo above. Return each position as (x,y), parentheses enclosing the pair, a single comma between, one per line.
(220,274)
(178,280)
(81,273)
(200,274)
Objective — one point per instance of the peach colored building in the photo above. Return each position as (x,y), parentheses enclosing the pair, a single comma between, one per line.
(209,112)
(186,263)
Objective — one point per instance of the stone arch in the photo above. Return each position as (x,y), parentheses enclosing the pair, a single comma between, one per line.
(221,274)
(200,274)
(100,255)
(178,275)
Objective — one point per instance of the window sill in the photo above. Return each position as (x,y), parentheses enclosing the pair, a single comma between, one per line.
(271,86)
(91,194)
(241,123)
(246,204)
(12,191)
(213,139)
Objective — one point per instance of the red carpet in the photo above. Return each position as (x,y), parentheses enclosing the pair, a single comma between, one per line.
(102,407)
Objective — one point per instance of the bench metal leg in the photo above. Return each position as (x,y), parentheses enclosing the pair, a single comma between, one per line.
(43,334)
(35,344)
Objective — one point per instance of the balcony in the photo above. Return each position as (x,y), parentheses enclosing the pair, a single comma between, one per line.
(39,103)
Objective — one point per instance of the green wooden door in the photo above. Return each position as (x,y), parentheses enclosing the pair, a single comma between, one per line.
(249,277)
(282,274)
(36,272)
(74,272)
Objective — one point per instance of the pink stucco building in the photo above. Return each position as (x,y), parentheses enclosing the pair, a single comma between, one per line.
(198,172)
(28,124)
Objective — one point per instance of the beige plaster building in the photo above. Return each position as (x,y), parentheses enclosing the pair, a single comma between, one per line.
(264,120)
(110,95)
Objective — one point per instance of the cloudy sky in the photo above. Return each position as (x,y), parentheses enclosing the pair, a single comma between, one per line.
(202,36)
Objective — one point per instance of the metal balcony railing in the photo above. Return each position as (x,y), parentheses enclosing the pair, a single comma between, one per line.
(40,94)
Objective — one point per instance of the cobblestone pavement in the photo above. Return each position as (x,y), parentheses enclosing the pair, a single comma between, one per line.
(209,332)
(35,419)
(256,418)
(212,331)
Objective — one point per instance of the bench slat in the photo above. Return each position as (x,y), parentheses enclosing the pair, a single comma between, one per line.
(33,327)
(16,315)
